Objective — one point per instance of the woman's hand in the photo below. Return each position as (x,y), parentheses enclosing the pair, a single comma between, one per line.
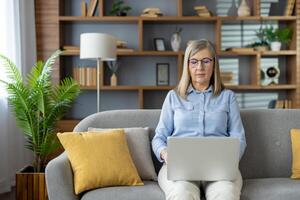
(164,155)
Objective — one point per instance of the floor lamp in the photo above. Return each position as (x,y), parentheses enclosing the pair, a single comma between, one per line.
(100,47)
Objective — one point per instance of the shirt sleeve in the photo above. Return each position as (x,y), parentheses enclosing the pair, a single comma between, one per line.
(164,128)
(235,126)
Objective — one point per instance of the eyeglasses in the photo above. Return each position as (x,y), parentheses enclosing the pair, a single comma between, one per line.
(205,62)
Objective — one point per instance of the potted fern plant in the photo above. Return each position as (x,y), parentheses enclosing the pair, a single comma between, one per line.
(261,44)
(119,9)
(37,106)
(277,37)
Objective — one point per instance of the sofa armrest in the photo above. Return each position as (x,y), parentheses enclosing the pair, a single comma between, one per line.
(59,179)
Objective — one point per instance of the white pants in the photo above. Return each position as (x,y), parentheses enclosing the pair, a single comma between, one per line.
(189,190)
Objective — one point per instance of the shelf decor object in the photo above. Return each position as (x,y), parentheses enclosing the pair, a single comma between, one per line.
(176,39)
(243,9)
(113,66)
(162,74)
(232,11)
(100,47)
(270,76)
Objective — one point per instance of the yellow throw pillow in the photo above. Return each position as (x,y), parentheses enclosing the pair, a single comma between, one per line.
(99,159)
(295,138)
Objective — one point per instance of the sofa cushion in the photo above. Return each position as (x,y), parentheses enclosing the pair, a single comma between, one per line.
(139,147)
(295,139)
(271,189)
(99,160)
(150,191)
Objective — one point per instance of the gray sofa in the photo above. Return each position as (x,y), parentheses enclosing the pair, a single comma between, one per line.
(265,166)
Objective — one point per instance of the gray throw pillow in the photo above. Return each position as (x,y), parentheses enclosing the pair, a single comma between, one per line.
(139,147)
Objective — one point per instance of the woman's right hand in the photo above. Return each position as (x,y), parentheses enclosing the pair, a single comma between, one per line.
(164,155)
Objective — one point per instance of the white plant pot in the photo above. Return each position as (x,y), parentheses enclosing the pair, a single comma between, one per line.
(275,46)
(175,41)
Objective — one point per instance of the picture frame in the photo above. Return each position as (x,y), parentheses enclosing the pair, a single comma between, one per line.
(159,44)
(162,74)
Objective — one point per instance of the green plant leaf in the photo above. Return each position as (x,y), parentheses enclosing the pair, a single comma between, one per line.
(11,70)
(37,104)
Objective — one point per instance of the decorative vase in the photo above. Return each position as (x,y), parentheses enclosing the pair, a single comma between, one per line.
(275,46)
(243,9)
(232,11)
(113,80)
(175,41)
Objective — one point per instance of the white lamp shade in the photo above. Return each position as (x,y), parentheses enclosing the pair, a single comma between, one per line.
(98,46)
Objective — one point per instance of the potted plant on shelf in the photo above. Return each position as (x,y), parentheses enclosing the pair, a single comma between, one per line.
(37,106)
(119,9)
(277,37)
(262,43)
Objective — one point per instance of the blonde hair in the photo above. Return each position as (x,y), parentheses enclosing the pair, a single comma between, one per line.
(185,80)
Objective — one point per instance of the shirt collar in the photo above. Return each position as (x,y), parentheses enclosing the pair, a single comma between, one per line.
(192,89)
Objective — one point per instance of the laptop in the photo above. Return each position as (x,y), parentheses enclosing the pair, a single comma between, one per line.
(202,158)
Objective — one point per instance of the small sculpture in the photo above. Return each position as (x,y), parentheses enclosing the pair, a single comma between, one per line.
(176,39)
(113,66)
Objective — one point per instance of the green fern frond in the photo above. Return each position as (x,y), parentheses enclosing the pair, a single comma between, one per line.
(34,74)
(38,105)
(11,70)
(47,68)
(49,145)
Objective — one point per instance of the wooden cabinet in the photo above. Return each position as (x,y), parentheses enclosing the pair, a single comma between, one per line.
(59,23)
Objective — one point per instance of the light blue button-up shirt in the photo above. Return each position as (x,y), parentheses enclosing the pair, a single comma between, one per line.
(202,114)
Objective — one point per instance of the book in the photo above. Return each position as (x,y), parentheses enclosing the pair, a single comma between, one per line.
(92,7)
(124,50)
(279,104)
(121,43)
(70,47)
(147,10)
(151,12)
(239,49)
(289,7)
(83,8)
(200,7)
(150,15)
(204,14)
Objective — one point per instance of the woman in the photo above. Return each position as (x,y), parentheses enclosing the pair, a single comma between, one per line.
(199,106)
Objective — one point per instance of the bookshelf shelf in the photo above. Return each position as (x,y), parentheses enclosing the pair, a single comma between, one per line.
(173,18)
(258,87)
(54,23)
(263,53)
(133,87)
(134,53)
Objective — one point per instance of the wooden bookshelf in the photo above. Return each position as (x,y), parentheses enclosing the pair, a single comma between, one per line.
(51,19)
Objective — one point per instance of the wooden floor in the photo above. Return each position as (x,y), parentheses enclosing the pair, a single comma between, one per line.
(8,196)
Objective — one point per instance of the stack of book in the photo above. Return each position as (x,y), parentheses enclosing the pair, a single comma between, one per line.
(239,49)
(286,104)
(85,76)
(122,46)
(289,7)
(202,11)
(227,78)
(151,12)
(90,9)
(71,49)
